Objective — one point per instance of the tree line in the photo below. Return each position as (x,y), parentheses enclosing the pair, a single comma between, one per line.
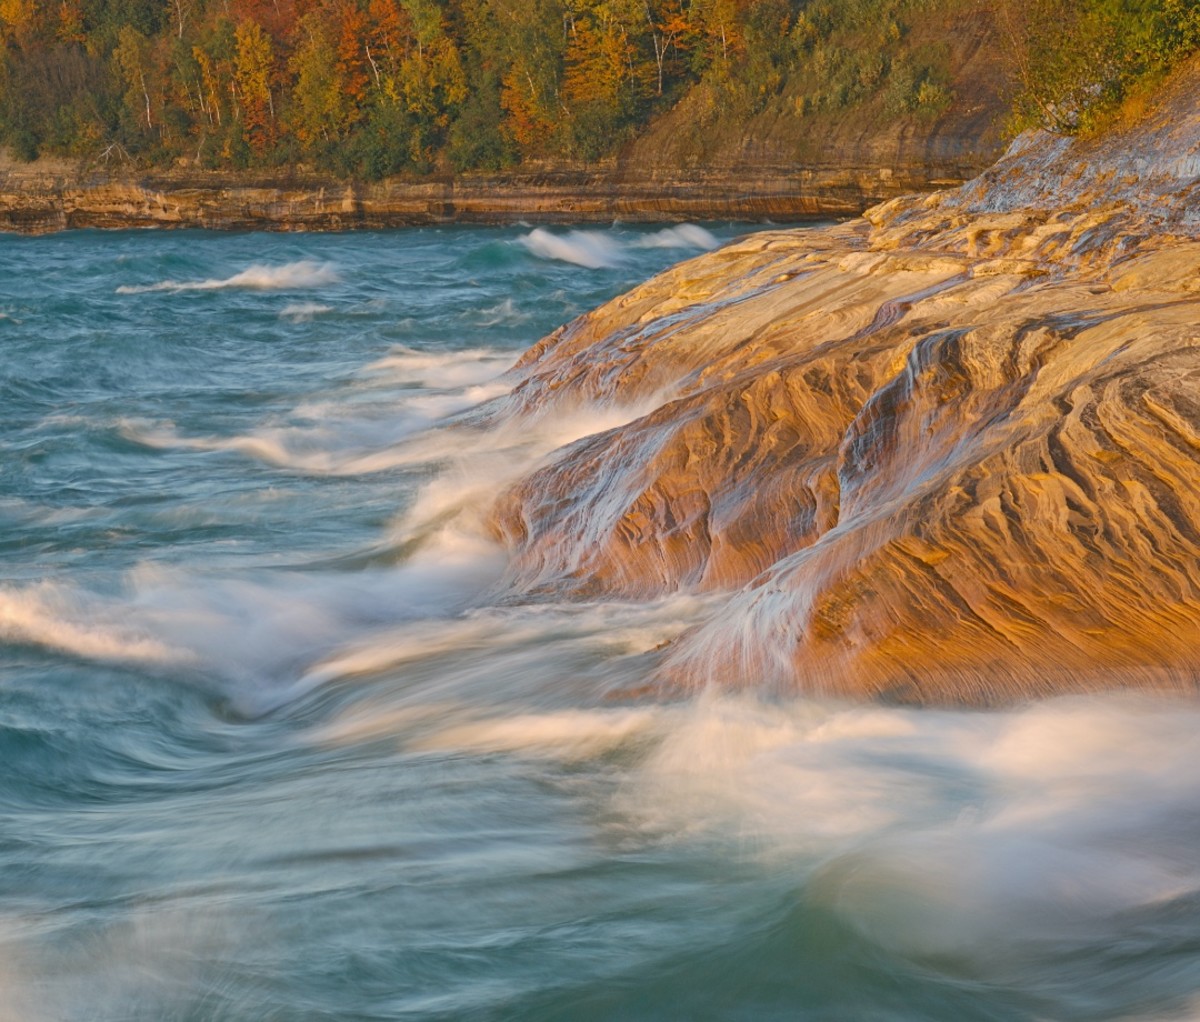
(371,88)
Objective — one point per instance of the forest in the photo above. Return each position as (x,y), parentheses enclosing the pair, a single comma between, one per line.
(372,88)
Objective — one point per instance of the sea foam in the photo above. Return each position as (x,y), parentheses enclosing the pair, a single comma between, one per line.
(596,250)
(286,277)
(72,623)
(589,249)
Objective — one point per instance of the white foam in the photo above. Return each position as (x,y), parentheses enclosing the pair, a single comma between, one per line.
(355,439)
(303,312)
(470,652)
(682,236)
(592,250)
(69,622)
(506,313)
(380,421)
(287,277)
(992,843)
(569,735)
(983,839)
(252,637)
(595,250)
(440,369)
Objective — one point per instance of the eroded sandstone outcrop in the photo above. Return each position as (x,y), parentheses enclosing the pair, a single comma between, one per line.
(41,198)
(948,452)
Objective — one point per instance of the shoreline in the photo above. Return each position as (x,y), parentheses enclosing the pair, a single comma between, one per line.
(49,196)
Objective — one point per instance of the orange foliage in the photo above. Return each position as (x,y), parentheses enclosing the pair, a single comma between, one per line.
(70,22)
(597,65)
(277,17)
(525,122)
(255,69)
(390,28)
(351,58)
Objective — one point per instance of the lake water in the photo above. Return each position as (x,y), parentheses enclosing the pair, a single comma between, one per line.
(276,745)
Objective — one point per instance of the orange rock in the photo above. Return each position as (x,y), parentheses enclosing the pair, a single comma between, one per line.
(948,453)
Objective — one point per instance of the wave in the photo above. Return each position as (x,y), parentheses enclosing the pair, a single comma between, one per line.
(303,312)
(286,277)
(442,370)
(67,622)
(589,249)
(397,438)
(407,421)
(505,313)
(683,236)
(251,638)
(382,421)
(975,841)
(597,250)
(1015,849)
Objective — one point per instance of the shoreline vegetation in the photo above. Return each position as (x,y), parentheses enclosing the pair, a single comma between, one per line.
(329,114)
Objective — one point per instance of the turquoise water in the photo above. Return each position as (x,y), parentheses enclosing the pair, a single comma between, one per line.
(276,745)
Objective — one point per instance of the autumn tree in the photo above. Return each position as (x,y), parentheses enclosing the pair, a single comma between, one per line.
(671,36)
(134,60)
(719,36)
(318,104)
(601,60)
(524,42)
(254,71)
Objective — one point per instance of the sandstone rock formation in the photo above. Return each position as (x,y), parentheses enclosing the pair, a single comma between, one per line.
(40,198)
(949,452)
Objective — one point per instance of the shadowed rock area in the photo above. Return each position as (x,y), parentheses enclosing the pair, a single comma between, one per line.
(946,453)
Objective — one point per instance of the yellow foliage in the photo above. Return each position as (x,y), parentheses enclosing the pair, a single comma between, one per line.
(16,13)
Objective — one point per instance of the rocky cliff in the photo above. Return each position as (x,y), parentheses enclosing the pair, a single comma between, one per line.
(39,198)
(949,452)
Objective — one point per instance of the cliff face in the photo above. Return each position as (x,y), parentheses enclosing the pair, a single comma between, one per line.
(949,452)
(35,200)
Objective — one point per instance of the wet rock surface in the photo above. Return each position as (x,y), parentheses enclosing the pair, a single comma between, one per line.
(946,453)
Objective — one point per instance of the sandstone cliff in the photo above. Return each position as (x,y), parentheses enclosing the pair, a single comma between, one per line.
(40,198)
(55,195)
(947,452)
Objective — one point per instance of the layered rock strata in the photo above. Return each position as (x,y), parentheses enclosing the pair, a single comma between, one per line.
(34,201)
(949,452)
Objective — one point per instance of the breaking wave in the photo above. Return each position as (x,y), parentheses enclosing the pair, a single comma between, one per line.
(303,312)
(596,250)
(288,277)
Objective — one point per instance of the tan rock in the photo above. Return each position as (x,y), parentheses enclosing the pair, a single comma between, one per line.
(947,453)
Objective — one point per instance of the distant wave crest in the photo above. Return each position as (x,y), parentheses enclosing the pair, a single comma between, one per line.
(288,277)
(303,312)
(596,250)
(681,236)
(592,250)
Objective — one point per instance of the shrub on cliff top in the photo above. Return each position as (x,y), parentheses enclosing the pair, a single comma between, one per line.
(1078,60)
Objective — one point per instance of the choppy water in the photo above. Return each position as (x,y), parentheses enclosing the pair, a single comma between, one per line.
(274,747)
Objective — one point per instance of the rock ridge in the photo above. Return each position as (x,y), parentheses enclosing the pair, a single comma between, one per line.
(945,453)
(35,200)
